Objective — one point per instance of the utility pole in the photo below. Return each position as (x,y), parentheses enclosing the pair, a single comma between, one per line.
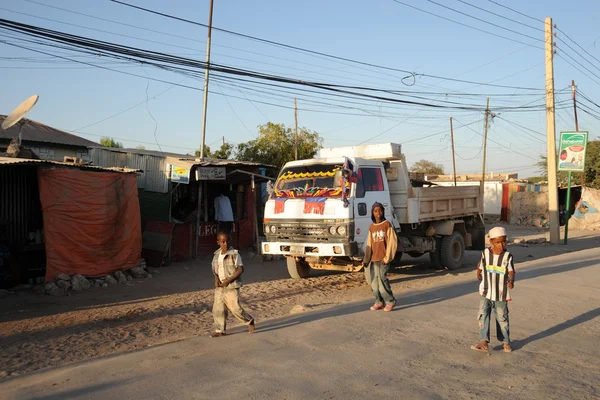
(203,141)
(485,134)
(223,140)
(453,158)
(295,130)
(205,105)
(551,136)
(574,91)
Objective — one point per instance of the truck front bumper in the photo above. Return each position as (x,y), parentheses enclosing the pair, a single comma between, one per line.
(310,249)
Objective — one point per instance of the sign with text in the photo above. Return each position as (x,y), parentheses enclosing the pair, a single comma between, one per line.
(180,175)
(571,156)
(211,174)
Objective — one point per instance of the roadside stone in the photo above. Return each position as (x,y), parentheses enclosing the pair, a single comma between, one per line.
(129,278)
(153,271)
(138,272)
(54,290)
(40,280)
(537,241)
(63,277)
(64,284)
(110,280)
(120,276)
(4,293)
(149,276)
(40,289)
(80,283)
(518,241)
(23,286)
(297,309)
(105,285)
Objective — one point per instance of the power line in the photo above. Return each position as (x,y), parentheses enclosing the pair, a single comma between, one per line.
(411,74)
(463,24)
(501,16)
(515,11)
(485,21)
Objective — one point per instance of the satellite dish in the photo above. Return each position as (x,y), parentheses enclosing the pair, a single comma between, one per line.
(18,113)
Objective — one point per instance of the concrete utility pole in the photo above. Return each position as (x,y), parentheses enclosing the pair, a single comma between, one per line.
(487,119)
(551,136)
(205,105)
(453,157)
(295,130)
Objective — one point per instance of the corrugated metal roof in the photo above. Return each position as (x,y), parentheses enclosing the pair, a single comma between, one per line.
(26,161)
(206,162)
(34,131)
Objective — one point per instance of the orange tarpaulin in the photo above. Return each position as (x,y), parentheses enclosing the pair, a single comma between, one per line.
(92,222)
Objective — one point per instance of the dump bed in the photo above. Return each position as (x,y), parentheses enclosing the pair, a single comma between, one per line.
(440,203)
(421,204)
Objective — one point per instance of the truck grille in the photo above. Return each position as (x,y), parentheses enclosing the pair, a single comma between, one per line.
(306,231)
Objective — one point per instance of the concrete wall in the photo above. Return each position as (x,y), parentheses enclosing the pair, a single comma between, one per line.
(492,198)
(529,208)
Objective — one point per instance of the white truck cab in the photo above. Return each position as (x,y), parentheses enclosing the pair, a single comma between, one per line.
(319,212)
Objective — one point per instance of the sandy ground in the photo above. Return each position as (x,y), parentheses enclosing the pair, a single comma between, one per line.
(41,331)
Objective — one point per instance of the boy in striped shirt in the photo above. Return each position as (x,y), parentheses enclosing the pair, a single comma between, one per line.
(496,271)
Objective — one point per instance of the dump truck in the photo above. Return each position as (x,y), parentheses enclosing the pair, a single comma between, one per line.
(319,211)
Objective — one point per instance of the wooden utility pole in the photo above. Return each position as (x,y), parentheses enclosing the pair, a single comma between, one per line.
(203,141)
(223,140)
(574,91)
(551,136)
(453,157)
(485,134)
(295,130)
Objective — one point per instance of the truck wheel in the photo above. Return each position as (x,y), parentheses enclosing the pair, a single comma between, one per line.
(435,257)
(415,254)
(297,269)
(453,251)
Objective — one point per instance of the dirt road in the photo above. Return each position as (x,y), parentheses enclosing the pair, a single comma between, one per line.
(40,331)
(419,351)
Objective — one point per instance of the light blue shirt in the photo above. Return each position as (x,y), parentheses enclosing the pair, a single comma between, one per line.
(223,211)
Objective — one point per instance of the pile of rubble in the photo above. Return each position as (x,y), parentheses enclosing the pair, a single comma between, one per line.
(64,283)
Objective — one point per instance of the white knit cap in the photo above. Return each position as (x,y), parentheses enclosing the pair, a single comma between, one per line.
(497,232)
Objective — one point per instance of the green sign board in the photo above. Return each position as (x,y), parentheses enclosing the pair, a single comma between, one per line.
(571,153)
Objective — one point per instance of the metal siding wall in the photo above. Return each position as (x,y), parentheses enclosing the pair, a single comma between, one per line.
(20,209)
(154,177)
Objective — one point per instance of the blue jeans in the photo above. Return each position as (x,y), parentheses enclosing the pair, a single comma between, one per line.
(501,314)
(376,275)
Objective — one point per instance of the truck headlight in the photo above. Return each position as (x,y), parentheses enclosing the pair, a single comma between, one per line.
(341,230)
(266,228)
(332,230)
(273,228)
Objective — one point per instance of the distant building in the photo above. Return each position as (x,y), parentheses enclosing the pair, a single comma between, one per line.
(46,142)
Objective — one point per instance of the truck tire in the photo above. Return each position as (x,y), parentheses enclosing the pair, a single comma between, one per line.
(297,269)
(452,251)
(435,257)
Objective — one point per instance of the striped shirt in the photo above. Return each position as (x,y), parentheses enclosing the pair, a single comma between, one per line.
(495,269)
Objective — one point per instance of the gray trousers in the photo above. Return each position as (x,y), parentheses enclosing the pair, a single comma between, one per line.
(228,300)
(376,275)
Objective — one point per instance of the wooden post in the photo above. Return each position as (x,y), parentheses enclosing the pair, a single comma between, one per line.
(485,134)
(453,156)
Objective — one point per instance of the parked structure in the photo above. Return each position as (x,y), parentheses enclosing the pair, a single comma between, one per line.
(46,142)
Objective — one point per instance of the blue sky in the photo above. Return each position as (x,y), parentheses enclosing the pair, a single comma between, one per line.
(77,97)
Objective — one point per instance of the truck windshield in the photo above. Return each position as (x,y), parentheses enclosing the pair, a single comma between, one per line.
(316,180)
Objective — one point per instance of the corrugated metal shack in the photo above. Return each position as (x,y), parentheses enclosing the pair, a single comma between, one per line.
(22,251)
(168,191)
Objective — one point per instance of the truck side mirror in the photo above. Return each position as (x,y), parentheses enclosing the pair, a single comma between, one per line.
(362,209)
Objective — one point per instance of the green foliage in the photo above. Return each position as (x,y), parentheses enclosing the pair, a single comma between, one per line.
(207,152)
(427,167)
(275,145)
(110,142)
(224,153)
(140,147)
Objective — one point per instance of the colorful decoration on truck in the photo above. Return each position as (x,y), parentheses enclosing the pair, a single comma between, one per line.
(303,192)
(279,206)
(303,175)
(314,206)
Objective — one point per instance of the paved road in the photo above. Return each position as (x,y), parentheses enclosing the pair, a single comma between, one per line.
(419,351)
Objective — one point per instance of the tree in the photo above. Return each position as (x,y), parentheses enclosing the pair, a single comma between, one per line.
(427,167)
(224,153)
(275,145)
(110,142)
(207,152)
(140,147)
